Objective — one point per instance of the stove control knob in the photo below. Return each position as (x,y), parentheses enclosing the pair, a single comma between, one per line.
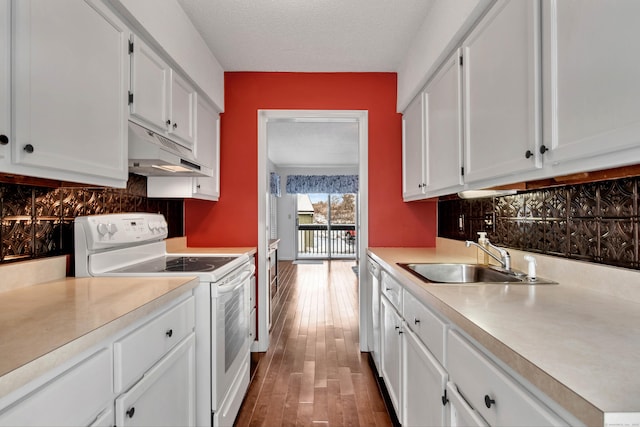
(153,227)
(102,229)
(112,228)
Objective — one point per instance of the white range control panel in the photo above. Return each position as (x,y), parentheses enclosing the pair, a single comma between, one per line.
(119,230)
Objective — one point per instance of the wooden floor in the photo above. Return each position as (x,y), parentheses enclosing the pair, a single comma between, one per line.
(313,373)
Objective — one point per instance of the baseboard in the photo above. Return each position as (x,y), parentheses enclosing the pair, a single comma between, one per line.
(385,394)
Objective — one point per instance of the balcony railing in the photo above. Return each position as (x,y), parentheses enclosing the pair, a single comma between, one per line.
(322,241)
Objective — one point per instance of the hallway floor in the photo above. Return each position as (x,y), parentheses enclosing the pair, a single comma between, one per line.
(313,373)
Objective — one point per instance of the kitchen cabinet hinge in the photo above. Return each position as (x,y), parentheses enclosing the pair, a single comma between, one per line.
(130,98)
(461,61)
(130,47)
(462,171)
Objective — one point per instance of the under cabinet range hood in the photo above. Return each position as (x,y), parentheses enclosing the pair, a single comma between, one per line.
(152,154)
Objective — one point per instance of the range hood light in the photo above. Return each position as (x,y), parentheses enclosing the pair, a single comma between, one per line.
(478,194)
(171,168)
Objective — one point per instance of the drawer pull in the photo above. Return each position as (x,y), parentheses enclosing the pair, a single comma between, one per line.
(131,411)
(488,401)
(169,333)
(416,321)
(445,399)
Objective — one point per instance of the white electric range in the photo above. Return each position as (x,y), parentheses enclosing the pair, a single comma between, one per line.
(133,244)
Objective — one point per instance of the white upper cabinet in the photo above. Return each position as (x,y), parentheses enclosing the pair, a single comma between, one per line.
(413,155)
(207,151)
(162,99)
(5,78)
(502,93)
(183,109)
(443,130)
(150,83)
(591,90)
(70,80)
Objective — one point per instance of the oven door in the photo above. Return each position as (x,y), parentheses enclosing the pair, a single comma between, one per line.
(230,340)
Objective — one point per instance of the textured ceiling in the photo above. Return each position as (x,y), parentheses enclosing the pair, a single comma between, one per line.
(308,35)
(312,144)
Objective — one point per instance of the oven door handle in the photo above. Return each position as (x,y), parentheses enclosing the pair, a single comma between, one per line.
(237,281)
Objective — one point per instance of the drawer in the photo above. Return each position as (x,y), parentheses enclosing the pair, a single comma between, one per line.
(75,397)
(496,396)
(425,324)
(142,348)
(392,290)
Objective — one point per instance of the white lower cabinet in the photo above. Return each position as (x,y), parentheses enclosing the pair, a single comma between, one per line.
(78,396)
(165,395)
(423,384)
(143,375)
(391,326)
(460,413)
(491,392)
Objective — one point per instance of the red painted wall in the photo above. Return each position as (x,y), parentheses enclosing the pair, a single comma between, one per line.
(232,221)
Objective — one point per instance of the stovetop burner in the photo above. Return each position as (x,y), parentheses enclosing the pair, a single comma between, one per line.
(196,264)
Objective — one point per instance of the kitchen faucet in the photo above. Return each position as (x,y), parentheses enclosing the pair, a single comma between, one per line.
(505,258)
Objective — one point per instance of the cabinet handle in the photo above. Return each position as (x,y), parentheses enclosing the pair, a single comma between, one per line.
(175,125)
(488,401)
(445,399)
(169,333)
(168,122)
(528,154)
(131,411)
(543,149)
(416,321)
(397,327)
(4,139)
(28,148)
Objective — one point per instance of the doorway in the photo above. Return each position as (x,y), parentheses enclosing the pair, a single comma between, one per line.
(264,232)
(326,226)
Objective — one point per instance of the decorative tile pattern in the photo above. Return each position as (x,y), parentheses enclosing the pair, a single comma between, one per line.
(597,222)
(38,221)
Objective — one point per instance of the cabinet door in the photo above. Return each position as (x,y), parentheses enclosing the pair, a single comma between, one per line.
(5,80)
(423,384)
(460,413)
(591,90)
(150,82)
(391,358)
(498,397)
(443,110)
(70,86)
(208,149)
(183,106)
(74,398)
(501,93)
(413,156)
(165,396)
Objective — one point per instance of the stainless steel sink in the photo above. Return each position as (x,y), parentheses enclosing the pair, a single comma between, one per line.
(458,274)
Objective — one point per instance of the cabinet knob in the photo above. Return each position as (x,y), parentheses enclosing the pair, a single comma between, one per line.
(445,399)
(175,125)
(28,148)
(543,149)
(169,333)
(488,401)
(416,321)
(4,139)
(131,411)
(168,122)
(528,154)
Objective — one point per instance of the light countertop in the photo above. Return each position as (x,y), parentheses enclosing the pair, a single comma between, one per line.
(577,345)
(43,325)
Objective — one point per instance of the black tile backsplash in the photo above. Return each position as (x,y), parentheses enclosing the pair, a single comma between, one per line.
(595,222)
(37,221)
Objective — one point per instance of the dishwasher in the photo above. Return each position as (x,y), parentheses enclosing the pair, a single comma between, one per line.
(374,280)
